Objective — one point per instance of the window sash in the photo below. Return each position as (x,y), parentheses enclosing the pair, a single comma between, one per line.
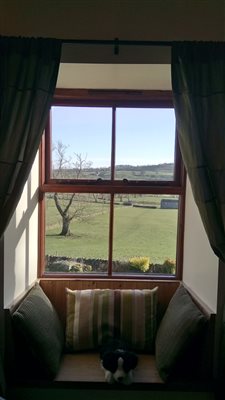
(144,99)
(112,98)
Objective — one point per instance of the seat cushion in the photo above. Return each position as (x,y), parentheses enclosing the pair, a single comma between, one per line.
(85,367)
(95,315)
(38,324)
(181,324)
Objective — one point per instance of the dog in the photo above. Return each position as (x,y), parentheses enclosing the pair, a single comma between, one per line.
(118,362)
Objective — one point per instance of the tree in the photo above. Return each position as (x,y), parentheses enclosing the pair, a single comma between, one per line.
(69,206)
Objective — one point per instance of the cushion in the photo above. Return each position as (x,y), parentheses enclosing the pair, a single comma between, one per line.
(182,322)
(37,322)
(138,310)
(90,316)
(94,315)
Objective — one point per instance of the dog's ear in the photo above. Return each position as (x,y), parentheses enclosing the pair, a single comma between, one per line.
(131,361)
(109,361)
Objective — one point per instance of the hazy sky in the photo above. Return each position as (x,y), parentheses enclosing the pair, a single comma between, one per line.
(144,136)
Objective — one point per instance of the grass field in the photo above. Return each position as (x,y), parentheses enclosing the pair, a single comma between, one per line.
(137,232)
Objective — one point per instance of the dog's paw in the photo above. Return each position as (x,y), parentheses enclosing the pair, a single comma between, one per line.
(128,380)
(109,377)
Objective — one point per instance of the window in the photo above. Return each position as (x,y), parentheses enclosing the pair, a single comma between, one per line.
(112,186)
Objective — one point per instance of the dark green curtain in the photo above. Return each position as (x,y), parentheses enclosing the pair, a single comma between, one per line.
(28,74)
(198,82)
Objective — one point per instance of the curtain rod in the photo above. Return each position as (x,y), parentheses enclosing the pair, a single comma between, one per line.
(118,42)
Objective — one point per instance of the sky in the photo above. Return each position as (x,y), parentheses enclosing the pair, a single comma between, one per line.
(143,136)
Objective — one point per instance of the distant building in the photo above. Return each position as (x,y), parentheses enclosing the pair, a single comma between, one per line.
(169,203)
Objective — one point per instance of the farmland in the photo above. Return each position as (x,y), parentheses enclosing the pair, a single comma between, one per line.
(141,227)
(138,231)
(160,172)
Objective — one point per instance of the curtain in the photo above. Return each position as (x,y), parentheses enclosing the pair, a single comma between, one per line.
(198,83)
(2,377)
(28,74)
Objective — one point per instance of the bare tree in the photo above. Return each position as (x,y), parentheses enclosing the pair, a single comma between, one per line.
(80,164)
(68,210)
(69,206)
(62,161)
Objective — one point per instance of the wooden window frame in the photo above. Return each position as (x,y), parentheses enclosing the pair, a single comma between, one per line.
(110,98)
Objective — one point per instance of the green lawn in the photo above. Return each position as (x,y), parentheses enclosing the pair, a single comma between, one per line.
(137,232)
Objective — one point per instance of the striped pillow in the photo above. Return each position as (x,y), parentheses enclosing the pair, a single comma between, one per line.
(138,318)
(96,314)
(90,316)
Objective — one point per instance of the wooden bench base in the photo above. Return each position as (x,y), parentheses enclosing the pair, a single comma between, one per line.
(81,377)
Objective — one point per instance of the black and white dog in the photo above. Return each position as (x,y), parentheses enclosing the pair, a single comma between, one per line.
(118,362)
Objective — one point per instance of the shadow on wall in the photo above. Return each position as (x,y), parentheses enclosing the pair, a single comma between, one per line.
(17,246)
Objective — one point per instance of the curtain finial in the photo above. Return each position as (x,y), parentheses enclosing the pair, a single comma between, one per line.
(116,46)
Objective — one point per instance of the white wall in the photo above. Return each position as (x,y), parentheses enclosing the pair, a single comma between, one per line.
(114,76)
(21,239)
(200,268)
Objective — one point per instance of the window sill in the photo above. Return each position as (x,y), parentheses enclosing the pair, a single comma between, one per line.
(117,277)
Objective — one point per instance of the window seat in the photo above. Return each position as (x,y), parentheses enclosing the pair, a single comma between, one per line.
(81,371)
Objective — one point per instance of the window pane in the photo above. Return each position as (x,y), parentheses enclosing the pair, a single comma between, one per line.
(145,142)
(145,234)
(81,247)
(81,142)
